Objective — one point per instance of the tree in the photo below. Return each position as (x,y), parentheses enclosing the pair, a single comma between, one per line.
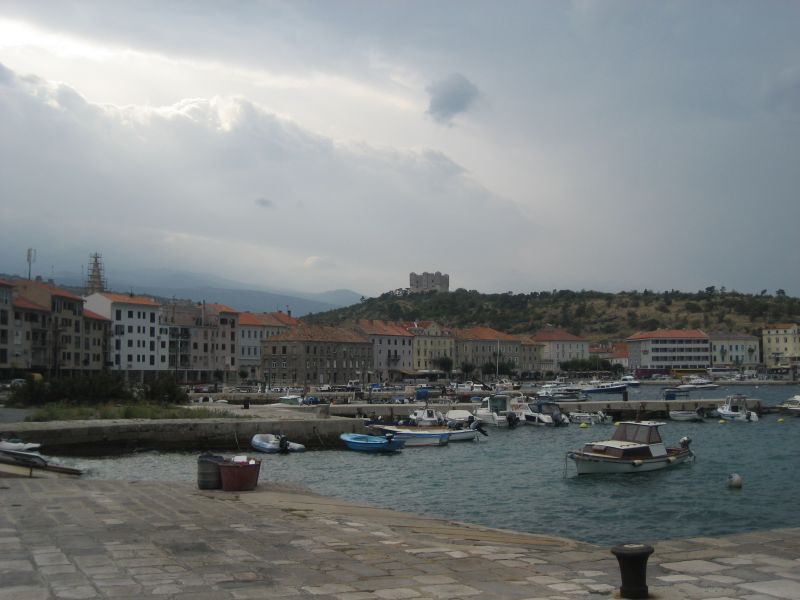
(243,374)
(467,369)
(445,363)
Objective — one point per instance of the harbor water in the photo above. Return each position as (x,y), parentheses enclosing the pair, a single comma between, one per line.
(520,479)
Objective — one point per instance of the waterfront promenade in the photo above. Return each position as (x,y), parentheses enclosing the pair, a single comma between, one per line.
(102,539)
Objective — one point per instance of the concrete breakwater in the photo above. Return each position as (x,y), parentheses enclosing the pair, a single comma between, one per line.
(109,436)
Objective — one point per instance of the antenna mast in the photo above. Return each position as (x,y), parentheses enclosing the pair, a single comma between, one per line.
(31,259)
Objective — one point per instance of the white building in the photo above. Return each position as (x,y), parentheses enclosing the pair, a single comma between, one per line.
(664,350)
(392,352)
(734,349)
(139,342)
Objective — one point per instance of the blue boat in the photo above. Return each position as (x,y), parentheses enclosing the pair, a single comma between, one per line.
(372,443)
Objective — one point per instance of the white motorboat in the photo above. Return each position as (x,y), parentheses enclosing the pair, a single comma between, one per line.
(426,417)
(735,409)
(17,444)
(630,381)
(544,412)
(687,415)
(635,447)
(459,416)
(590,418)
(424,436)
(500,410)
(791,406)
(274,444)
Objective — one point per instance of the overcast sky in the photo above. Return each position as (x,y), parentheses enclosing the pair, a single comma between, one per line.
(317,145)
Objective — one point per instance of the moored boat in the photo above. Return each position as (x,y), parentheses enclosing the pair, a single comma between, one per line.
(425,436)
(275,444)
(544,412)
(17,444)
(791,406)
(16,463)
(500,410)
(687,415)
(605,387)
(635,447)
(371,443)
(734,408)
(426,417)
(590,418)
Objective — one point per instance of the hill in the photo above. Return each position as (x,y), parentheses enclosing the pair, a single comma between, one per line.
(593,315)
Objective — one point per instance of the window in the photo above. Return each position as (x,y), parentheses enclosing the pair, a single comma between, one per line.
(130,314)
(130,343)
(118,315)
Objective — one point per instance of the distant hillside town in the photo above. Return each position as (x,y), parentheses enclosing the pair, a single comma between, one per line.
(54,331)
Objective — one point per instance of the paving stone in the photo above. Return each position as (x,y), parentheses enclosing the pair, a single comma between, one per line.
(694,566)
(780,588)
(396,593)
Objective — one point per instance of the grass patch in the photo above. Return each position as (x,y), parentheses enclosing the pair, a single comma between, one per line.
(62,411)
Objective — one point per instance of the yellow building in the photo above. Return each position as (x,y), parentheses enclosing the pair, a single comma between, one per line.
(781,343)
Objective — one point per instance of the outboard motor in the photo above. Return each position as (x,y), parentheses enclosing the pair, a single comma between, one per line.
(512,419)
(478,426)
(283,444)
(685,441)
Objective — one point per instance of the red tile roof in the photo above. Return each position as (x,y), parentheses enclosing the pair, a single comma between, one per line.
(248,319)
(50,289)
(26,304)
(780,325)
(130,299)
(221,308)
(275,319)
(93,315)
(283,318)
(5,282)
(378,327)
(319,333)
(553,334)
(669,334)
(620,350)
(486,334)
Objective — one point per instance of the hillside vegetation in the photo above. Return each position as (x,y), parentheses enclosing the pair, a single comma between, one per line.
(593,315)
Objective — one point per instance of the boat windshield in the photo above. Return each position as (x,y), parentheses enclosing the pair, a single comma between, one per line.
(634,432)
(498,403)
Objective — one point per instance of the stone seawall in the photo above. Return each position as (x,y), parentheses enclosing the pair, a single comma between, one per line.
(100,437)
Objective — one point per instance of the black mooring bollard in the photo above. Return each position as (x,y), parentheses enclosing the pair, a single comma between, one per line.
(632,560)
(246,404)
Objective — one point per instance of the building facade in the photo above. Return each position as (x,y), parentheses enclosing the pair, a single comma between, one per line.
(430,344)
(559,346)
(429,282)
(734,349)
(392,351)
(6,314)
(667,350)
(781,343)
(484,347)
(254,328)
(308,355)
(139,342)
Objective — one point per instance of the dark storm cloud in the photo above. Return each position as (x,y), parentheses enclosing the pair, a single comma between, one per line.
(450,96)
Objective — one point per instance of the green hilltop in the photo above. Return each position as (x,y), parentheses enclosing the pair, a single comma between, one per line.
(593,315)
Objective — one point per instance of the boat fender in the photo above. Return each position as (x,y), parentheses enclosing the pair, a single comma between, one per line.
(671,459)
(735,481)
(584,425)
(637,463)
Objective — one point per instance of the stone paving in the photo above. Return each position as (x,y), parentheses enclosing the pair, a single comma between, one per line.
(99,539)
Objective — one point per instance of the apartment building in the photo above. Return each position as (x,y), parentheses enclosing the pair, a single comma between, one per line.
(254,328)
(66,324)
(734,349)
(483,347)
(558,346)
(665,350)
(139,342)
(6,292)
(781,343)
(430,343)
(392,351)
(530,356)
(315,355)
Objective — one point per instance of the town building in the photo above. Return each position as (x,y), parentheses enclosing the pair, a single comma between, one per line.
(669,350)
(429,282)
(254,328)
(485,349)
(530,357)
(65,333)
(392,352)
(559,346)
(316,355)
(430,344)
(139,341)
(734,349)
(6,314)
(781,343)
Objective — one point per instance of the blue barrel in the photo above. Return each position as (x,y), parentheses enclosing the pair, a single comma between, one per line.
(422,394)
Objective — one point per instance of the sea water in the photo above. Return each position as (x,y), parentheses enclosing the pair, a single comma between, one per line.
(520,479)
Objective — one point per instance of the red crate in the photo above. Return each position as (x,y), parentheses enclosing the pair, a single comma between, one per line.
(239,477)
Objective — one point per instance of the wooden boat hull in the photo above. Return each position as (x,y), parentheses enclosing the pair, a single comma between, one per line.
(589,463)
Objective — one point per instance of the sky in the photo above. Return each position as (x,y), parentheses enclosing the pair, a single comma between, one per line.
(315,145)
